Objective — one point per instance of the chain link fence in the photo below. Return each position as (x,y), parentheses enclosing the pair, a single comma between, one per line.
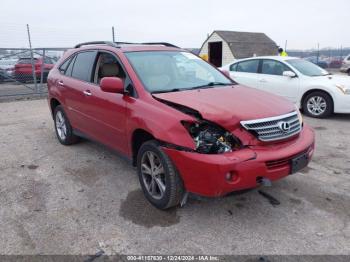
(28,53)
(24,71)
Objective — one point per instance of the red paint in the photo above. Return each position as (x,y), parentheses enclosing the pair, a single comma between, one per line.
(24,70)
(112,118)
(112,85)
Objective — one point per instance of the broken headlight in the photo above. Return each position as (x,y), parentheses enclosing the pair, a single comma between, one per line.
(210,138)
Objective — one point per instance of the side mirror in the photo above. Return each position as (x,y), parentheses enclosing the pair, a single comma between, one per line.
(226,73)
(289,74)
(112,85)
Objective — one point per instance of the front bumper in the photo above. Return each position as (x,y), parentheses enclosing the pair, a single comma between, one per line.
(206,174)
(342,103)
(344,69)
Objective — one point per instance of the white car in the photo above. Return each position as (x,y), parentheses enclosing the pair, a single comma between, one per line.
(310,87)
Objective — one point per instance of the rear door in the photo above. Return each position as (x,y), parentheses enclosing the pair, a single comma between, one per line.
(246,72)
(272,80)
(75,81)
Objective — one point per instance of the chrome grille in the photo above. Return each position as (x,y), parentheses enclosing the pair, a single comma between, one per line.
(274,128)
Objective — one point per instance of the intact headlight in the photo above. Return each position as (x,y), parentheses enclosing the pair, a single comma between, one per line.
(345,90)
(210,138)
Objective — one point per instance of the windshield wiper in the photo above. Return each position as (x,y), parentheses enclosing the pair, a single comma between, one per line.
(208,85)
(167,91)
(211,84)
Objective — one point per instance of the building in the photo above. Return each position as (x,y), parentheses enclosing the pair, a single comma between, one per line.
(222,47)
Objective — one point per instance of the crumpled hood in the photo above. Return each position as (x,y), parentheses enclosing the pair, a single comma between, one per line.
(228,106)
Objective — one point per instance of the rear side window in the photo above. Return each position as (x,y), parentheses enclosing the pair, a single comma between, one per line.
(83,66)
(250,66)
(65,65)
(233,67)
(68,72)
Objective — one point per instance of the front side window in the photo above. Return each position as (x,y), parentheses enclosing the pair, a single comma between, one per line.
(83,64)
(249,66)
(272,67)
(170,71)
(107,66)
(307,68)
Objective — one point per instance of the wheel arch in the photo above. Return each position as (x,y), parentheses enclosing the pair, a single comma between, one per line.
(316,90)
(139,136)
(54,102)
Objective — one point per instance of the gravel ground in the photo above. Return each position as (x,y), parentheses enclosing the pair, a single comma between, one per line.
(78,199)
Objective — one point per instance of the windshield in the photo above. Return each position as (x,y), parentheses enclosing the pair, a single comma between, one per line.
(307,68)
(170,71)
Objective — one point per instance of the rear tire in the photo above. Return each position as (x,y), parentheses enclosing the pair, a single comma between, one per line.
(64,130)
(159,179)
(318,104)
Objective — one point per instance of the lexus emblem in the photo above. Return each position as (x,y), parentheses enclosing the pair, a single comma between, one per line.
(284,126)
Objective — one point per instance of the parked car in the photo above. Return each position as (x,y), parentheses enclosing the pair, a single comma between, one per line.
(321,63)
(6,68)
(345,67)
(200,133)
(310,87)
(23,71)
(335,63)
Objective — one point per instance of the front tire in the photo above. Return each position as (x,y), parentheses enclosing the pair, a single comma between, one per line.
(318,104)
(64,130)
(159,179)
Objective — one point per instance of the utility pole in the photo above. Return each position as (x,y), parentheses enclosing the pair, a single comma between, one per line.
(285,45)
(113,36)
(32,58)
(341,52)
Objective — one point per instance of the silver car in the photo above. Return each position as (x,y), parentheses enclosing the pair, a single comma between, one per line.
(345,67)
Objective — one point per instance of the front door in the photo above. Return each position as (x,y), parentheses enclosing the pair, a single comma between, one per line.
(107,111)
(272,80)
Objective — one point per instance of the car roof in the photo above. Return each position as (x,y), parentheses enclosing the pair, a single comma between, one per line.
(278,58)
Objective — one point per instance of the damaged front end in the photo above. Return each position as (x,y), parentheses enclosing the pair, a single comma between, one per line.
(209,138)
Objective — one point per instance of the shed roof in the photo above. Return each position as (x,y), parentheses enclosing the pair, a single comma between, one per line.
(246,44)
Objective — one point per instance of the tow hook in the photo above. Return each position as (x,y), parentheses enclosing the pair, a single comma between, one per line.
(263,181)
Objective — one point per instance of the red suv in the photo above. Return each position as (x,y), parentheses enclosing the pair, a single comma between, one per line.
(184,124)
(23,70)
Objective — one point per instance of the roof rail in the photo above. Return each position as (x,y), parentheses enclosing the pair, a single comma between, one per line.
(97,43)
(160,43)
(117,44)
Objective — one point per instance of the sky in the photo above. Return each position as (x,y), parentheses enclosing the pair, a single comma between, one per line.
(64,23)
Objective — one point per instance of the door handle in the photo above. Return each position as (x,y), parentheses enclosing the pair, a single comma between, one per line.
(60,83)
(262,80)
(87,92)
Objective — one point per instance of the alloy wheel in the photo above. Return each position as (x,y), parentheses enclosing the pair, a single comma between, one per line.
(61,126)
(316,105)
(153,175)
